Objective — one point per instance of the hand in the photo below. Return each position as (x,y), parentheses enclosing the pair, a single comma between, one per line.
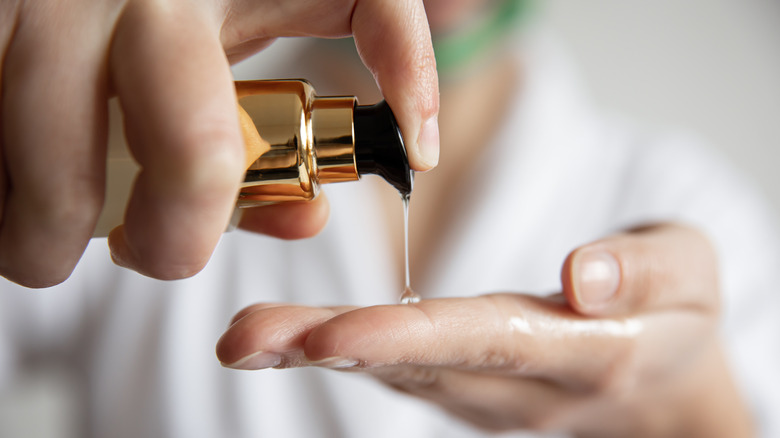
(167,62)
(629,348)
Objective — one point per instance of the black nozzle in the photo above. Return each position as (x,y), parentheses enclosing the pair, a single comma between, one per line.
(379,146)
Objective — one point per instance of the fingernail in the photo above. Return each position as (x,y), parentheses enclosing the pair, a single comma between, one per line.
(428,142)
(334,362)
(599,278)
(256,361)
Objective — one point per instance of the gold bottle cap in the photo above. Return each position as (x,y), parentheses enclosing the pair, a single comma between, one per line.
(333,138)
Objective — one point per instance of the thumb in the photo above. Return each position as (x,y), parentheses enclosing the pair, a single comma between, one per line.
(394,41)
(645,269)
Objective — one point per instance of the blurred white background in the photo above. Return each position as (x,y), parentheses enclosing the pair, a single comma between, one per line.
(712,66)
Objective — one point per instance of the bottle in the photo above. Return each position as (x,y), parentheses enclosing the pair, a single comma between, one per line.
(295,141)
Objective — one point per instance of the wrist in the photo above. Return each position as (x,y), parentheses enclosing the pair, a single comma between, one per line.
(712,405)
(700,401)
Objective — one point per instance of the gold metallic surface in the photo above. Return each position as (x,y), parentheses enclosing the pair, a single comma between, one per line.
(311,141)
(334,139)
(279,112)
(294,141)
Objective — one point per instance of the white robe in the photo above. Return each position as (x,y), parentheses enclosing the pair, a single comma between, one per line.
(560,174)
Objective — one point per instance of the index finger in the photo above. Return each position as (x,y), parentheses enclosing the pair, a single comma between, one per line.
(507,334)
(510,335)
(177,95)
(503,333)
(394,41)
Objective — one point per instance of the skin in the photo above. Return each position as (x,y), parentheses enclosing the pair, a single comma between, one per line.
(168,64)
(639,357)
(447,15)
(644,362)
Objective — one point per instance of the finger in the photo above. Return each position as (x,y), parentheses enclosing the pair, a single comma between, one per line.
(514,336)
(504,334)
(9,16)
(54,133)
(273,335)
(393,40)
(265,336)
(254,308)
(246,49)
(507,335)
(176,92)
(659,267)
(287,221)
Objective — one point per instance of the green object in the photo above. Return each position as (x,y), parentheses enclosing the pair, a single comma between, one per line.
(460,49)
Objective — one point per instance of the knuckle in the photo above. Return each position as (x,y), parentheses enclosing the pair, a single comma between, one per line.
(204,159)
(73,209)
(508,352)
(501,360)
(651,259)
(68,202)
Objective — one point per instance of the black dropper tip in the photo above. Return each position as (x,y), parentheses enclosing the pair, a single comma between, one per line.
(379,146)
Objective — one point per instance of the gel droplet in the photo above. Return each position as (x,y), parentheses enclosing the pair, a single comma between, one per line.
(408,296)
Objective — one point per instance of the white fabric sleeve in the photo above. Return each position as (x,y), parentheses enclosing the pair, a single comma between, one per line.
(8,354)
(698,187)
(743,232)
(12,312)
(45,325)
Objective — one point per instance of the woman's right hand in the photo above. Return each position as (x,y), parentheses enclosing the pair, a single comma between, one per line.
(167,61)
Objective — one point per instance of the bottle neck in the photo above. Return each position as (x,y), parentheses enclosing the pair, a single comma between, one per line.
(351,140)
(379,146)
(333,139)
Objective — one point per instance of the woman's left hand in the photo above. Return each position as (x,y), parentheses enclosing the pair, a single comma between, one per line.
(629,348)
